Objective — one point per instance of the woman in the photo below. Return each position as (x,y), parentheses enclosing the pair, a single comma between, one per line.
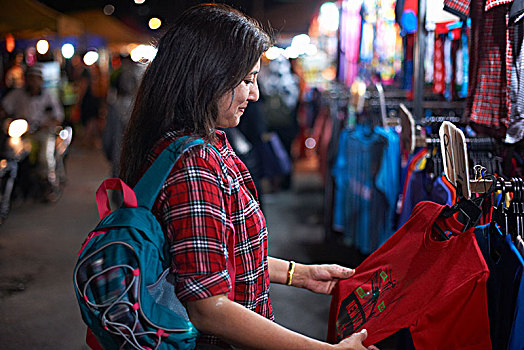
(202,78)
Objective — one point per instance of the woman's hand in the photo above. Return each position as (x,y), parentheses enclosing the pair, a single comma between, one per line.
(320,278)
(317,278)
(354,342)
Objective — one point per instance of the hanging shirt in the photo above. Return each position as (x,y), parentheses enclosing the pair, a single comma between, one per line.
(490,60)
(439,67)
(450,187)
(359,208)
(410,168)
(448,62)
(350,43)
(505,287)
(366,44)
(428,57)
(435,288)
(388,177)
(407,83)
(465,65)
(517,11)
(422,187)
(418,190)
(515,131)
(459,73)
(442,192)
(399,8)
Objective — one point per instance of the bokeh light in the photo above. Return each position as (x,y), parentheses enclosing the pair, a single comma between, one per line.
(109,9)
(143,53)
(68,50)
(42,46)
(9,42)
(155,23)
(90,57)
(273,52)
(329,17)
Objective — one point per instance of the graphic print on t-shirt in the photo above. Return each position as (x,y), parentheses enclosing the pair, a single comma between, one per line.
(364,303)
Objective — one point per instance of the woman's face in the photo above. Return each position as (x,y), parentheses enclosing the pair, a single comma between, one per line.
(230,109)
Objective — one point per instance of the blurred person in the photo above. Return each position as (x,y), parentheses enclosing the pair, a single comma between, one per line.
(89,111)
(203,77)
(43,112)
(119,107)
(14,76)
(281,91)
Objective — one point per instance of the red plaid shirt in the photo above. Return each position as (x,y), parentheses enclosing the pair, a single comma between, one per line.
(204,200)
(490,78)
(490,50)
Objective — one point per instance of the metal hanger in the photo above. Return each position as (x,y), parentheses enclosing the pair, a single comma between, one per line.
(500,214)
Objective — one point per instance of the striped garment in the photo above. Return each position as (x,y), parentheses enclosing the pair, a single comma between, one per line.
(488,101)
(204,200)
(458,7)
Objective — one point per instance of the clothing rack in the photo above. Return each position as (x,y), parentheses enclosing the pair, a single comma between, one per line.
(484,185)
(411,132)
(479,144)
(435,119)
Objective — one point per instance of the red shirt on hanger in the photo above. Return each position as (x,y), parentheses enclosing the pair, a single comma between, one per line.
(435,288)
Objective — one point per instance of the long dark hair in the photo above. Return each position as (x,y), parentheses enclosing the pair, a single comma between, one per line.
(207,52)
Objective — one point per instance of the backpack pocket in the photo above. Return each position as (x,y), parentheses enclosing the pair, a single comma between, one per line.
(118,307)
(163,292)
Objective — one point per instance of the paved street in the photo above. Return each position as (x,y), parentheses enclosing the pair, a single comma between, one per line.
(38,245)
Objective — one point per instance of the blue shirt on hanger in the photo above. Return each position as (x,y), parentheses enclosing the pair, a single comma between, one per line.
(360,207)
(505,287)
(388,178)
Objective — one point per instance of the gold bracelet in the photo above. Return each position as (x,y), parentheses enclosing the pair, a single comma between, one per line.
(290,272)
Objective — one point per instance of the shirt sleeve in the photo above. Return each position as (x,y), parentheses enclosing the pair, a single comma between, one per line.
(194,215)
(458,321)
(9,102)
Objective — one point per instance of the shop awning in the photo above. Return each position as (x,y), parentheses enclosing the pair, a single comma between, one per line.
(114,31)
(31,19)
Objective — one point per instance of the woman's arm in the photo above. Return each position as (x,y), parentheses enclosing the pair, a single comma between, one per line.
(278,270)
(317,278)
(239,326)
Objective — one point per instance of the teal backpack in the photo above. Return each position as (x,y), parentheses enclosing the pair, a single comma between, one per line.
(122,281)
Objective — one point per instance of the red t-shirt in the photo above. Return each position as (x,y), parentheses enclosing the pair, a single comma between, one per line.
(435,288)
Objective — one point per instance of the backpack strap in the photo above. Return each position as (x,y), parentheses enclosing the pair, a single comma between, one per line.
(102,199)
(151,182)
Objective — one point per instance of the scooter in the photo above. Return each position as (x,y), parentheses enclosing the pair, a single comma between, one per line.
(14,149)
(18,171)
(57,177)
